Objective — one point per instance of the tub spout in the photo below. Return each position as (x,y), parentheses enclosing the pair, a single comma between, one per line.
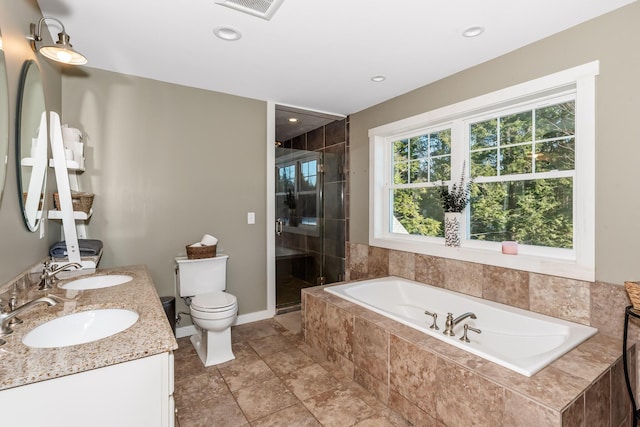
(451,322)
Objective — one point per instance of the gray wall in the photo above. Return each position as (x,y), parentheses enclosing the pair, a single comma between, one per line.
(20,248)
(612,39)
(169,163)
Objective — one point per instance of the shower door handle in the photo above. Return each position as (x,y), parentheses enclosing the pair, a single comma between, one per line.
(279,226)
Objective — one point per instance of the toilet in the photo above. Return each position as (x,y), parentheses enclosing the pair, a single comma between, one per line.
(212,310)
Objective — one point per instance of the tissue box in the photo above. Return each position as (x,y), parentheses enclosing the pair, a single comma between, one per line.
(199,252)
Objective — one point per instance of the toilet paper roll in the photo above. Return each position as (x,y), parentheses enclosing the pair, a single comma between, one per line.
(208,240)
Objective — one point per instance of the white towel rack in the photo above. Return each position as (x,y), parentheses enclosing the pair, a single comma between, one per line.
(72,231)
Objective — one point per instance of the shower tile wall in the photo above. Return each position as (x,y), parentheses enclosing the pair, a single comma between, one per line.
(332,141)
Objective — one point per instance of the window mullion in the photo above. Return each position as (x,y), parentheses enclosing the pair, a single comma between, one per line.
(459,149)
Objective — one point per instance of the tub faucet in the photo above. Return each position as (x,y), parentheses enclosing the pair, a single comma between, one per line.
(434,325)
(48,277)
(468,328)
(451,322)
(5,318)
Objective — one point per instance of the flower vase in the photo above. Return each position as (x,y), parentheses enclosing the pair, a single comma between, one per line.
(293,219)
(452,225)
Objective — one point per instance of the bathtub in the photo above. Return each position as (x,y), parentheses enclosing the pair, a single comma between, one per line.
(517,339)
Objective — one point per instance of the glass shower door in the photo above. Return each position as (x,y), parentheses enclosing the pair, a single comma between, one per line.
(299,226)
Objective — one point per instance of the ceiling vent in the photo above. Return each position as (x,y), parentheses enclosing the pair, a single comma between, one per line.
(264,9)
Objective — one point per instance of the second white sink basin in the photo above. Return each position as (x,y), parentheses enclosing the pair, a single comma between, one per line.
(80,328)
(96,282)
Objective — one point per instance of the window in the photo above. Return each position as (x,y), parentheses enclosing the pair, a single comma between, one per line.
(523,163)
(530,151)
(297,192)
(418,163)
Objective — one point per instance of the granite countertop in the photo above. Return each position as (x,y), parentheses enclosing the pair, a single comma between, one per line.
(150,335)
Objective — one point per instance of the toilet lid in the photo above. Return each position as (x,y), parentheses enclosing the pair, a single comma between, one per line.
(213,301)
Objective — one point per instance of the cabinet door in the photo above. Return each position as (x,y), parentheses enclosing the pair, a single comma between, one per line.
(131,394)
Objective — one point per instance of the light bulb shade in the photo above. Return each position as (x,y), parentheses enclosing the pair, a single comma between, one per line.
(62,54)
(62,51)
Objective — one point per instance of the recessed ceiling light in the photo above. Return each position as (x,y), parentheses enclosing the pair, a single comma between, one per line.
(227,33)
(473,31)
(293,120)
(378,79)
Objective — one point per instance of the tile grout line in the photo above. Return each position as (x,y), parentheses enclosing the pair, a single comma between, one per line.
(293,341)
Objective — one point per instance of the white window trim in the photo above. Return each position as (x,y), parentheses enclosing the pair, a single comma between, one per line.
(576,264)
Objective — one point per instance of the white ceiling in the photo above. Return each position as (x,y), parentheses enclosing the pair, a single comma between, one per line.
(314,54)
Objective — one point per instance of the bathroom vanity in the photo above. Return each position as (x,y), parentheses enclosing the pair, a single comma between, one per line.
(125,379)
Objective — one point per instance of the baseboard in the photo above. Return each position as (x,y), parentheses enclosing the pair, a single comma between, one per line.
(189,330)
(185,331)
(254,317)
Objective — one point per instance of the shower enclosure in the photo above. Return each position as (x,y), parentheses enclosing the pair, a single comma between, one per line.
(309,212)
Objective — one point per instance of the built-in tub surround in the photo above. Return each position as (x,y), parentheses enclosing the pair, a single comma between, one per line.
(150,335)
(597,304)
(520,340)
(432,383)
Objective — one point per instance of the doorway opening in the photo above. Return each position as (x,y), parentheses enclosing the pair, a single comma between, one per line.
(310,182)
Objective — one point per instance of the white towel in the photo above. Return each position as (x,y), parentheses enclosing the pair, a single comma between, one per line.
(71,134)
(196,245)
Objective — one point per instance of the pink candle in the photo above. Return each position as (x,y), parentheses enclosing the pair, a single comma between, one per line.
(510,248)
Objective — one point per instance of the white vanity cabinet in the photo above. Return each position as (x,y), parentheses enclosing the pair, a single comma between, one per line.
(138,393)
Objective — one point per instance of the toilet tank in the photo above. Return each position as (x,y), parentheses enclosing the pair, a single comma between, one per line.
(200,276)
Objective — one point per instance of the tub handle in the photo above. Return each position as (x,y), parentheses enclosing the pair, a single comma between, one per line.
(435,319)
(468,328)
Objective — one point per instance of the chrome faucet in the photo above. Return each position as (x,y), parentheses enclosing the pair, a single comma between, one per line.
(5,318)
(451,322)
(48,277)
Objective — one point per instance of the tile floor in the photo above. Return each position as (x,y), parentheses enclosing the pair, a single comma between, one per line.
(272,382)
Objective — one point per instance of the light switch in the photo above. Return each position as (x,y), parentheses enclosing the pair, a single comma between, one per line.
(251,217)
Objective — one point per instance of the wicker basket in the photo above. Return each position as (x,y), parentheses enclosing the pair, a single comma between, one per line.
(199,252)
(81,202)
(633,290)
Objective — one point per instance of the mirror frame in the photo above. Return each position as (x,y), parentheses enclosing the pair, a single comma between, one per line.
(4,119)
(39,163)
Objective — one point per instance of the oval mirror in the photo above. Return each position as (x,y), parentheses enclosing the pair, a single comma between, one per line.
(31,145)
(4,119)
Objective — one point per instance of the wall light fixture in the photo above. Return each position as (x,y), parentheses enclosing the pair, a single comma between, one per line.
(62,51)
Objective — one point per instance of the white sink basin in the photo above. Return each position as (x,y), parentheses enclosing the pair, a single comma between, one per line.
(80,328)
(96,282)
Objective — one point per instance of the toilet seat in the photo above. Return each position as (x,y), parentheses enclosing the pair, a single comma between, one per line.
(214,302)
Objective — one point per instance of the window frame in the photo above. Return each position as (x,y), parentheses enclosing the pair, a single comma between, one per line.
(577,263)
